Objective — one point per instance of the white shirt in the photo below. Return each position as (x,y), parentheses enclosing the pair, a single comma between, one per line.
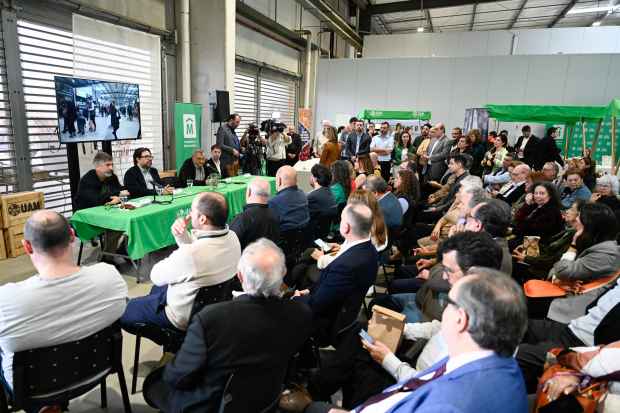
(346,246)
(147,177)
(217,165)
(383,142)
(515,186)
(523,143)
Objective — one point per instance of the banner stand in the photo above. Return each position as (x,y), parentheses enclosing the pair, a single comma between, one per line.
(187,130)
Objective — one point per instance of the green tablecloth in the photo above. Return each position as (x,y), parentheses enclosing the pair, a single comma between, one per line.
(148,228)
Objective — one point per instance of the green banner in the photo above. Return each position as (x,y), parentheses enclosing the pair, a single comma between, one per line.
(187,119)
(393,114)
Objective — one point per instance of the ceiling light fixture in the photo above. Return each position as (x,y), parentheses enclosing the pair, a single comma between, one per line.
(420,29)
(596,24)
(593,9)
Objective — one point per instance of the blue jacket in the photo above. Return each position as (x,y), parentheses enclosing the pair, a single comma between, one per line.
(291,207)
(491,384)
(354,270)
(321,203)
(135,183)
(392,210)
(581,192)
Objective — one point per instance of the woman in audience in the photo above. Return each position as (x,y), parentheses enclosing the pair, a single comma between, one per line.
(588,166)
(363,167)
(405,190)
(478,148)
(397,132)
(463,145)
(573,188)
(341,181)
(539,216)
(607,193)
(493,159)
(401,149)
(532,178)
(587,153)
(352,175)
(331,149)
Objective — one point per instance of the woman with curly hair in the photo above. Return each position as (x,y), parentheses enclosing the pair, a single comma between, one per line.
(341,181)
(401,149)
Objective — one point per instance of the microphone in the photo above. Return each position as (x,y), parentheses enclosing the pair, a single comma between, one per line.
(212,167)
(155,184)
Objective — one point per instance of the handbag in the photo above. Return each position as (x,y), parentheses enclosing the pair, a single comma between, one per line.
(542,289)
(588,396)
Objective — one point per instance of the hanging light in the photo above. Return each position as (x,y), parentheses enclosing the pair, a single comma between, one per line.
(420,29)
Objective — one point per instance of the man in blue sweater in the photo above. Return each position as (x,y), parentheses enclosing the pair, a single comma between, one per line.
(390,207)
(290,203)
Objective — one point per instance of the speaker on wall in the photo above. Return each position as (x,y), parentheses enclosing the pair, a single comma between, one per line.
(220,106)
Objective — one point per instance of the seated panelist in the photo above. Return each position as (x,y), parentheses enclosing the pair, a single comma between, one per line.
(138,178)
(194,168)
(214,165)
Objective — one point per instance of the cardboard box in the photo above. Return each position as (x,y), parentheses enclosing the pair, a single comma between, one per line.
(2,249)
(17,207)
(387,327)
(13,239)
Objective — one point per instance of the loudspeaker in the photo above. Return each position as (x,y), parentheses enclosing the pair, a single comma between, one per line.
(220,106)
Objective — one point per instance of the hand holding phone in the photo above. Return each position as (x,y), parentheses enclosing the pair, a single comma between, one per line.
(365,336)
(322,244)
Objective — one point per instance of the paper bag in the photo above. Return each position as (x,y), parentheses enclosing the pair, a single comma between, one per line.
(530,245)
(387,327)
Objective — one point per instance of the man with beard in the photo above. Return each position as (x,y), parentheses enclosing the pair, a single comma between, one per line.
(138,178)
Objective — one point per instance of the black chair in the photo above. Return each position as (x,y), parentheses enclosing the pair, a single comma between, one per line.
(258,391)
(206,295)
(170,180)
(336,221)
(347,318)
(413,353)
(322,227)
(41,374)
(291,246)
(385,254)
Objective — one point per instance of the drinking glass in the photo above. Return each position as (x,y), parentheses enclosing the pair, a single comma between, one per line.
(123,199)
(160,191)
(190,183)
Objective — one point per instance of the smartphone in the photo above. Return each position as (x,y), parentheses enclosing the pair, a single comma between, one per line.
(322,244)
(489,189)
(365,336)
(565,404)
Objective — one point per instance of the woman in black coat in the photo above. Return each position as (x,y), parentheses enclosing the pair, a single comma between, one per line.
(114,118)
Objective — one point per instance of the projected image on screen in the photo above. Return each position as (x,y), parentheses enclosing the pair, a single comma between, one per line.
(93,110)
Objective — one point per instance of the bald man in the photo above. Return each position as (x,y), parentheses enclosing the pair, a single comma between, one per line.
(257,220)
(290,203)
(436,154)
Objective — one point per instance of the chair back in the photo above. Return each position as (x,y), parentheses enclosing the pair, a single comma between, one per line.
(292,241)
(337,218)
(49,370)
(347,317)
(170,180)
(211,295)
(258,391)
(385,253)
(322,227)
(409,213)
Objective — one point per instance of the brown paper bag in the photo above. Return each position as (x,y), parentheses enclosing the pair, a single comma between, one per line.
(530,245)
(387,327)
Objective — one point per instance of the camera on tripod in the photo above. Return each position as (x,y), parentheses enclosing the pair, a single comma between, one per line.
(268,125)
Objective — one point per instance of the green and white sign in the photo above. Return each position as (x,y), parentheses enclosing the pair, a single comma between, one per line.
(187,120)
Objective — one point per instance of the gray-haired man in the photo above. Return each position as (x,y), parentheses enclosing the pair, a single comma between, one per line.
(194,168)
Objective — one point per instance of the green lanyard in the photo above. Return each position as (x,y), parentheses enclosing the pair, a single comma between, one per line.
(212,236)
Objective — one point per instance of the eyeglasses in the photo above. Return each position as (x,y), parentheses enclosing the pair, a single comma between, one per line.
(148,157)
(604,186)
(548,170)
(444,300)
(573,180)
(468,217)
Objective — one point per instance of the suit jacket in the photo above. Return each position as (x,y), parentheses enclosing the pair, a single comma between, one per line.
(321,203)
(513,196)
(529,153)
(227,141)
(90,190)
(210,168)
(351,145)
(547,151)
(490,384)
(135,183)
(354,270)
(441,152)
(246,334)
(188,171)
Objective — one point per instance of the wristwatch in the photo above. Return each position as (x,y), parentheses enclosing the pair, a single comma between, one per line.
(573,246)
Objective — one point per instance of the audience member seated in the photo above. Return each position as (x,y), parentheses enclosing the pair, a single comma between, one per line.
(459,253)
(100,186)
(551,171)
(479,150)
(376,167)
(354,268)
(257,220)
(63,302)
(405,185)
(543,335)
(539,216)
(352,174)
(214,165)
(363,168)
(532,177)
(592,255)
(206,256)
(390,207)
(314,260)
(463,145)
(194,168)
(321,200)
(341,181)
(591,364)
(573,188)
(607,194)
(231,337)
(494,159)
(290,203)
(489,301)
(511,192)
(526,267)
(501,176)
(588,166)
(138,178)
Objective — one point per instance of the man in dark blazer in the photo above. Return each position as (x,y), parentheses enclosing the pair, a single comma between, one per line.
(526,146)
(517,189)
(194,168)
(290,203)
(138,176)
(358,141)
(294,148)
(435,155)
(215,165)
(547,150)
(354,269)
(254,332)
(229,142)
(321,200)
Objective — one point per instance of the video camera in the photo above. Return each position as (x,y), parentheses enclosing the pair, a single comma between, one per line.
(268,125)
(253,132)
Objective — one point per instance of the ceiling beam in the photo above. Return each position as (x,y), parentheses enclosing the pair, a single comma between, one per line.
(473,17)
(413,5)
(360,4)
(560,16)
(429,21)
(604,16)
(327,14)
(523,3)
(384,25)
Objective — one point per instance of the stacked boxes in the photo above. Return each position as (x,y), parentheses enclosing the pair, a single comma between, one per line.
(16,208)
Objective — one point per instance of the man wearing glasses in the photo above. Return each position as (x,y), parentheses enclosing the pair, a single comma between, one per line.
(573,189)
(500,177)
(519,176)
(138,179)
(194,168)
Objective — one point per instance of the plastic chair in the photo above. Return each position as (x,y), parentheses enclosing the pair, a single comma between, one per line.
(258,391)
(46,370)
(206,295)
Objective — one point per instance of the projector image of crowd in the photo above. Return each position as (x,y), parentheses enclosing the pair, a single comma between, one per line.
(504,258)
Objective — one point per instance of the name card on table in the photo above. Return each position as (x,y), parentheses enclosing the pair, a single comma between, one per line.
(177,191)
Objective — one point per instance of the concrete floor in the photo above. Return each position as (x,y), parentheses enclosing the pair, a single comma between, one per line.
(21,268)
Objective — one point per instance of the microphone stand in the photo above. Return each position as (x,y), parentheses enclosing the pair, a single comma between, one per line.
(155,200)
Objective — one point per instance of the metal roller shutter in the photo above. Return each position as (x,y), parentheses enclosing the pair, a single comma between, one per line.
(246,105)
(8,170)
(277,95)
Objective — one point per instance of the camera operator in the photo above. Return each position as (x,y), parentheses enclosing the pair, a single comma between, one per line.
(294,148)
(276,148)
(253,143)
